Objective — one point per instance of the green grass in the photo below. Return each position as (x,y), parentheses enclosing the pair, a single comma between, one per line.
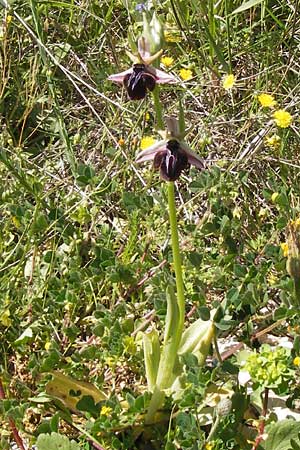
(85,253)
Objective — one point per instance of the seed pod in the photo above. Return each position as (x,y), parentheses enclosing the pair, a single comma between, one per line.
(224,407)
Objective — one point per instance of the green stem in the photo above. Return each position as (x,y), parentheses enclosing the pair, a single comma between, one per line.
(174,320)
(158,108)
(176,254)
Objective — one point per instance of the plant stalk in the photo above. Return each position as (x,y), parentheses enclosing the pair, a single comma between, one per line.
(17,437)
(174,319)
(176,255)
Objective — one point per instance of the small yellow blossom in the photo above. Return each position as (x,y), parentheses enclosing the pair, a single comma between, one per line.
(283,119)
(5,319)
(274,196)
(208,446)
(147,116)
(8,19)
(186,74)
(106,411)
(273,141)
(285,249)
(272,279)
(295,222)
(167,61)
(47,345)
(121,142)
(228,82)
(296,361)
(147,141)
(267,100)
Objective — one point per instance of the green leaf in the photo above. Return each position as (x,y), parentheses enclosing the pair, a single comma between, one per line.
(247,5)
(55,441)
(151,356)
(281,433)
(62,386)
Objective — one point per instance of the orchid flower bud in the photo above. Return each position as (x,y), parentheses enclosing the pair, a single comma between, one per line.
(153,31)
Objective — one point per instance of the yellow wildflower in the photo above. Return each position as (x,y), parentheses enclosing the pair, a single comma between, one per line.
(106,411)
(282,118)
(272,279)
(285,249)
(167,61)
(5,319)
(296,222)
(146,142)
(186,74)
(47,345)
(274,196)
(147,116)
(296,361)
(267,100)
(121,142)
(228,82)
(273,141)
(208,446)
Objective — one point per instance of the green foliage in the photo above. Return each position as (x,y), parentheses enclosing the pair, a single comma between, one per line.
(55,441)
(270,368)
(280,435)
(85,257)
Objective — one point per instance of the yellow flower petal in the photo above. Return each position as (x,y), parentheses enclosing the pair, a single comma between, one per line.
(186,74)
(296,361)
(106,411)
(266,100)
(285,249)
(273,141)
(147,141)
(167,61)
(283,119)
(228,82)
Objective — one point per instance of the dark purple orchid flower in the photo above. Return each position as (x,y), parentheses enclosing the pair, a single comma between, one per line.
(171,155)
(142,77)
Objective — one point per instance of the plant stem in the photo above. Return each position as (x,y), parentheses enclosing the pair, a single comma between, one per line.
(17,437)
(158,108)
(174,319)
(176,254)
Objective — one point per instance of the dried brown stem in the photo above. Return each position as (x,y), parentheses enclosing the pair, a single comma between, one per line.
(17,437)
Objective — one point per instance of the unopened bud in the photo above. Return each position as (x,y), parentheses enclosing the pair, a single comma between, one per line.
(153,31)
(223,408)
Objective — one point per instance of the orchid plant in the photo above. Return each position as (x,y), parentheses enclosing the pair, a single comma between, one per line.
(171,155)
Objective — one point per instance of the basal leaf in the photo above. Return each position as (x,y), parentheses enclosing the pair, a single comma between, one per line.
(246,5)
